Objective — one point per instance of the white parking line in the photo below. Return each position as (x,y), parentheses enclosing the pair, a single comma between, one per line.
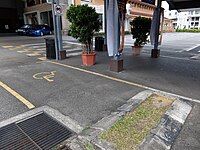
(187,50)
(38,46)
(72,43)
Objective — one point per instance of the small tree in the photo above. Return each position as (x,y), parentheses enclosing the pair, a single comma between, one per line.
(140,29)
(84,23)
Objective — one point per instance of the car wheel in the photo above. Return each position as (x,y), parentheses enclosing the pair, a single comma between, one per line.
(41,33)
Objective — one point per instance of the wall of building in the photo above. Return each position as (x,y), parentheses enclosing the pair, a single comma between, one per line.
(9,15)
(7,3)
(189,19)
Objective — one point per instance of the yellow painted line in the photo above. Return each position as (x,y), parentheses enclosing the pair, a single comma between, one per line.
(42,58)
(104,76)
(34,54)
(7,46)
(126,82)
(17,95)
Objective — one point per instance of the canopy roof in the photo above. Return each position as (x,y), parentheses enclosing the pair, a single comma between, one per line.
(183,4)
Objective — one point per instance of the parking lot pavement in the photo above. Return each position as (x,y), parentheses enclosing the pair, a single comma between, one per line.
(84,97)
(9,107)
(86,94)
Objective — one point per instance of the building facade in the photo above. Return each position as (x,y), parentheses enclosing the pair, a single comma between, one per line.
(189,19)
(39,11)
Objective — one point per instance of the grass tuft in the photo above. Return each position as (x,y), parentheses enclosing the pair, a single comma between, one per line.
(131,130)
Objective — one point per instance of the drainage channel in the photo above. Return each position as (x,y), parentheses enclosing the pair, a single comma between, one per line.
(40,132)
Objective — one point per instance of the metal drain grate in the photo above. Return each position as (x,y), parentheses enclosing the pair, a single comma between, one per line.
(38,132)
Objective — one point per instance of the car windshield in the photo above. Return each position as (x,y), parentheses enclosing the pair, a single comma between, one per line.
(26,26)
(38,27)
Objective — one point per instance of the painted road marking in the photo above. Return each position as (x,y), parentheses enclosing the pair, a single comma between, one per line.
(17,95)
(25,50)
(32,44)
(42,58)
(16,47)
(187,50)
(41,49)
(125,82)
(72,43)
(45,75)
(7,46)
(34,54)
(35,47)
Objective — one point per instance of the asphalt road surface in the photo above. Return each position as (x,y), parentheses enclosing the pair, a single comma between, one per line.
(86,97)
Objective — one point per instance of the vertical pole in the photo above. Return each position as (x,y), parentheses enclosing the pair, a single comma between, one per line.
(55,29)
(157,24)
(105,20)
(116,30)
(59,33)
(156,52)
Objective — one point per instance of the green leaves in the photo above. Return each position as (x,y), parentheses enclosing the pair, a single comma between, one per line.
(140,29)
(84,23)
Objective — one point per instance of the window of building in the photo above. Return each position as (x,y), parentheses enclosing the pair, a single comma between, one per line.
(197,18)
(196,24)
(192,18)
(192,23)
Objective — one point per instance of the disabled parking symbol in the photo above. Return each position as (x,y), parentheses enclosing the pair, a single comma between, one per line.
(48,76)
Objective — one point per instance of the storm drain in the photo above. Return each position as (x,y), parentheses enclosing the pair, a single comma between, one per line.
(36,133)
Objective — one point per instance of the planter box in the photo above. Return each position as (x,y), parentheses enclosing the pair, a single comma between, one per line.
(137,50)
(88,59)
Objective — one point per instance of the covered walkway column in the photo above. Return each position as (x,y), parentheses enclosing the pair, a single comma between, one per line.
(155,52)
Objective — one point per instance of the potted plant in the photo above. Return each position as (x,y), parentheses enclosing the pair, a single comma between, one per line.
(84,23)
(140,29)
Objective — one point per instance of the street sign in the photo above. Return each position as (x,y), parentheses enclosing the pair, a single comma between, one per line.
(58,9)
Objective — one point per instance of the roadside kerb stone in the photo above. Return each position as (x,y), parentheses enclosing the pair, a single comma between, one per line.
(161,137)
(168,128)
(91,135)
(106,122)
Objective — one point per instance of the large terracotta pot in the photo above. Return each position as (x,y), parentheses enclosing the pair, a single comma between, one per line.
(136,50)
(88,59)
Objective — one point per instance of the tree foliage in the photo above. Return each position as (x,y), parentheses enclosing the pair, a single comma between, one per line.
(140,29)
(84,23)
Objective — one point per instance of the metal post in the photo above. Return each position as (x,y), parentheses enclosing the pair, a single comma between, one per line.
(59,33)
(105,20)
(116,31)
(55,29)
(157,24)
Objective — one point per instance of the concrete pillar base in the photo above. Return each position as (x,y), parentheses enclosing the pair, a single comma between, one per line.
(105,47)
(116,65)
(62,55)
(155,53)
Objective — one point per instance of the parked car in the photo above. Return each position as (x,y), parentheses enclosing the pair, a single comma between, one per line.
(24,29)
(40,30)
